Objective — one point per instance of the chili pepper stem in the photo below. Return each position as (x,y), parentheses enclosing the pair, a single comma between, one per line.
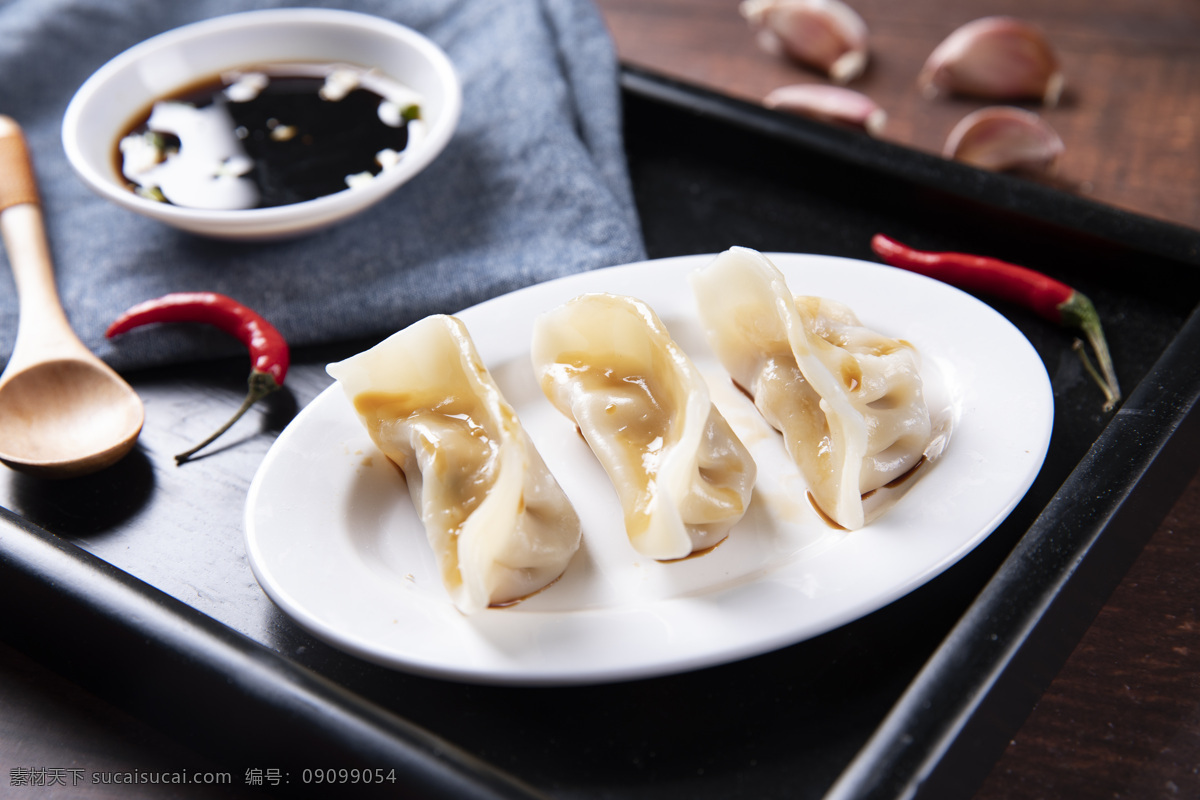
(1079,311)
(261,385)
(1080,350)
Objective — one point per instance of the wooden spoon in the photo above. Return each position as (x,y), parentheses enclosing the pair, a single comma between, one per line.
(63,411)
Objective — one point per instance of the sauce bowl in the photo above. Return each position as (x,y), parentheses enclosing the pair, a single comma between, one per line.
(125,88)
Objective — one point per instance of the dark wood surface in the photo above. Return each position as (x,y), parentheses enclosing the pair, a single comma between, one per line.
(1129,116)
(1122,719)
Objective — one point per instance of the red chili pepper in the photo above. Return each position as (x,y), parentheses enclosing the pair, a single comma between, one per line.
(269,355)
(1052,299)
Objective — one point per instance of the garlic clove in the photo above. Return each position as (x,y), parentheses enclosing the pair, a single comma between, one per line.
(829,104)
(1000,138)
(998,58)
(825,34)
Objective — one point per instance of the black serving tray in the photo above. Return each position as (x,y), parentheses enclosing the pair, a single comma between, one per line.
(134,582)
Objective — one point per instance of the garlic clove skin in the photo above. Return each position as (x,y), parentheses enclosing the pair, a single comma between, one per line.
(1001,138)
(996,58)
(829,104)
(827,35)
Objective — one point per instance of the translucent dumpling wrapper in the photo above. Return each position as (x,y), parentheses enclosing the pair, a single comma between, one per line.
(500,526)
(682,476)
(849,401)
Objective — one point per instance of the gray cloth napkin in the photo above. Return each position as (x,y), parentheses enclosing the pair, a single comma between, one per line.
(532,186)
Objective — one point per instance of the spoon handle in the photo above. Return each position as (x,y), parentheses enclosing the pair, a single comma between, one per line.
(43,329)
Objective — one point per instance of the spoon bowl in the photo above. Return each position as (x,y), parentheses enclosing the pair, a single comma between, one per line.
(63,411)
(55,410)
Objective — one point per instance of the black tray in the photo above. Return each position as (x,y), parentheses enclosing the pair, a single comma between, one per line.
(138,587)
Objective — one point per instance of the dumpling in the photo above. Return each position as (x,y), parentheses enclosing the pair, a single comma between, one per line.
(500,526)
(682,476)
(849,401)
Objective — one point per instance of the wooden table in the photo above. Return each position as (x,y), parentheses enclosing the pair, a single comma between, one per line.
(1123,717)
(1129,115)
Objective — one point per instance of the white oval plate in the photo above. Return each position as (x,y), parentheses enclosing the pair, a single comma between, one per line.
(334,540)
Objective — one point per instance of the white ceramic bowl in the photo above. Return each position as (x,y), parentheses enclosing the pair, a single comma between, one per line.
(126,86)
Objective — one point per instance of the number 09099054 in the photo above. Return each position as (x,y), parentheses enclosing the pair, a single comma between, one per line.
(356,775)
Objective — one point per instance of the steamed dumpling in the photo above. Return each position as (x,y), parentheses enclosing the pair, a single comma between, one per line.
(848,401)
(500,526)
(682,475)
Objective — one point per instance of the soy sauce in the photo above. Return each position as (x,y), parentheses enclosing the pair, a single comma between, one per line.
(268,136)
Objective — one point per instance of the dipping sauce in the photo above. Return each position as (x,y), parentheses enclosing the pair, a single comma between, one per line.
(269,135)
